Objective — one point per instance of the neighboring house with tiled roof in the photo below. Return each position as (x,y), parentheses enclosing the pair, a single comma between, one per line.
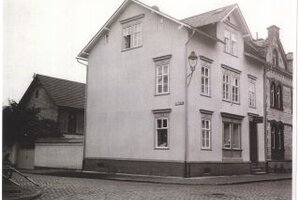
(57,99)
(63,102)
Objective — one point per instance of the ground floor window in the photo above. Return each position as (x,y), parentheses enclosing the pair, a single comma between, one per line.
(232,135)
(206,128)
(161,119)
(277,140)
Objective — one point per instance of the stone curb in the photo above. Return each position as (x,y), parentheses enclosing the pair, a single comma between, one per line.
(159,180)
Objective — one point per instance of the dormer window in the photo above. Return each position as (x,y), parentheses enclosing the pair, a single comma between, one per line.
(275,58)
(230,40)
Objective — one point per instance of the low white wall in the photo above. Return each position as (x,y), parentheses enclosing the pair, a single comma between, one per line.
(59,155)
(25,158)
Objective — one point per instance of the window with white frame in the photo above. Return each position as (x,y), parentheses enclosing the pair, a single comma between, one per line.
(132,36)
(226,86)
(230,42)
(252,98)
(162,129)
(235,89)
(206,129)
(161,118)
(231,85)
(205,78)
(162,80)
(231,135)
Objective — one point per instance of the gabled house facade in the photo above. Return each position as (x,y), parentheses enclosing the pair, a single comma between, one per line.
(173,97)
(278,101)
(61,101)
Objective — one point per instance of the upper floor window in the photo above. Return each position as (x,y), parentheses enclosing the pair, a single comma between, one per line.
(252,100)
(132,36)
(275,58)
(205,78)
(275,96)
(162,82)
(230,42)
(231,86)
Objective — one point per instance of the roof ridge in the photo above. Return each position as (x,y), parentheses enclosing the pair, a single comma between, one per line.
(36,75)
(208,11)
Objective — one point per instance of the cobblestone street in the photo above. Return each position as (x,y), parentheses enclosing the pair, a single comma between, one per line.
(65,188)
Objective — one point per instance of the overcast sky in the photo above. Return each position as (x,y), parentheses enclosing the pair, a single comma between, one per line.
(45,36)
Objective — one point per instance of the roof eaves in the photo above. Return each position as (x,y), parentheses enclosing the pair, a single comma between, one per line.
(236,6)
(83,55)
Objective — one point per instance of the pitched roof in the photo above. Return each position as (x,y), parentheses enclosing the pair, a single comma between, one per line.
(84,53)
(63,92)
(209,17)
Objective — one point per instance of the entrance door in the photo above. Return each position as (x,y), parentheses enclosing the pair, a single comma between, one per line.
(253,141)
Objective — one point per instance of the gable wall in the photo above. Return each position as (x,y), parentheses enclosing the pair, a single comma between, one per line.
(48,110)
(121,91)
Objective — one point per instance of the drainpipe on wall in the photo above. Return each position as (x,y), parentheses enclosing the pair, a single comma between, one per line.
(186,166)
(85,108)
(265,116)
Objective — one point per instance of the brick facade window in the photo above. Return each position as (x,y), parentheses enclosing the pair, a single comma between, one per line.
(276,96)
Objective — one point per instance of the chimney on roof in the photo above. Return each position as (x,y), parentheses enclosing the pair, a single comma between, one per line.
(273,32)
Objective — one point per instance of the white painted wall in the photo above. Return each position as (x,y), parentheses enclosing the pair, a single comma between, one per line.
(59,155)
(215,51)
(121,92)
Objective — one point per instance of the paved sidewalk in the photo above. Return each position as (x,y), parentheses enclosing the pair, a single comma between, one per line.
(208,180)
(23,193)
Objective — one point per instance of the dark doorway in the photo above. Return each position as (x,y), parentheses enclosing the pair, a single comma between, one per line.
(253,141)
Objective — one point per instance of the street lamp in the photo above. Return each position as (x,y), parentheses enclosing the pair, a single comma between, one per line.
(193,59)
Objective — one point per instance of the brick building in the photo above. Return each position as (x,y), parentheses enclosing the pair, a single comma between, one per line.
(278,100)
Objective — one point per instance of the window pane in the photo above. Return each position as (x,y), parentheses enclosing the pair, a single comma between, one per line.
(162,138)
(236,136)
(159,123)
(166,79)
(159,80)
(165,69)
(165,123)
(159,70)
(227,143)
(159,89)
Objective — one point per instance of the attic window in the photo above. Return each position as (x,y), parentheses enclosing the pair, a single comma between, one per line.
(132,36)
(37,94)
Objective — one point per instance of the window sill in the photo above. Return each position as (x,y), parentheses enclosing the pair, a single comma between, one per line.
(128,49)
(253,107)
(228,101)
(206,149)
(162,94)
(161,148)
(231,54)
(205,95)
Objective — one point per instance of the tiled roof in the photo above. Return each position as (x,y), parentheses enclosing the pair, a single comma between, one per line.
(64,92)
(209,17)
